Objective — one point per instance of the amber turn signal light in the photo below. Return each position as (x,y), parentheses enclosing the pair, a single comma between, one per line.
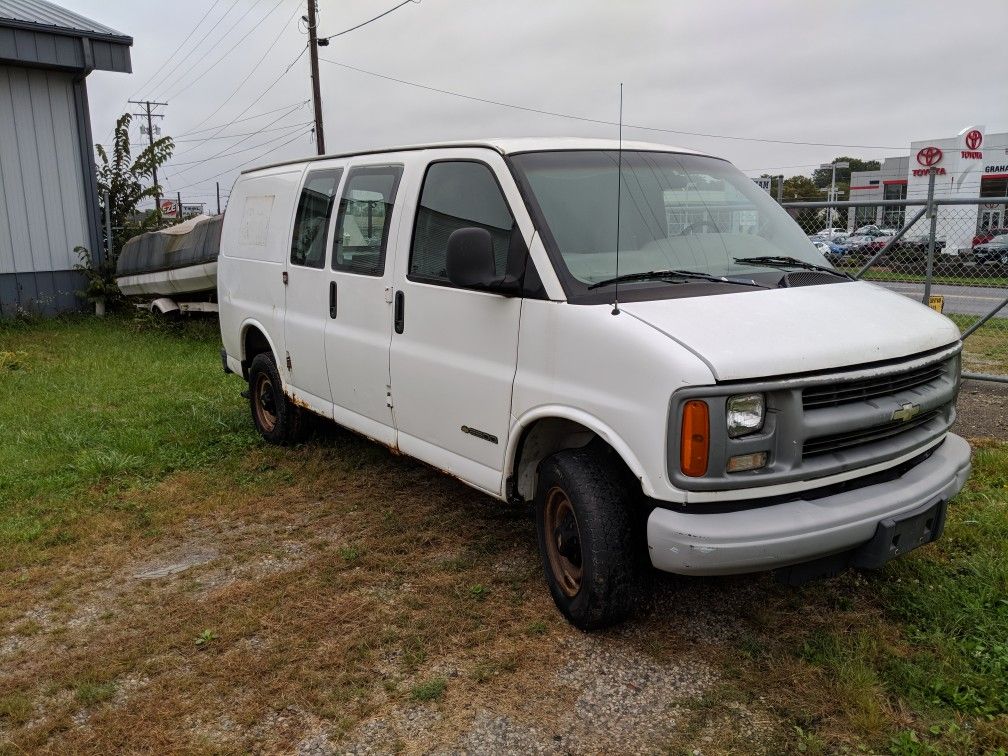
(695,442)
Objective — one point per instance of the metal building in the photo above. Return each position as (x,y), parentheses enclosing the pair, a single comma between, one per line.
(48,194)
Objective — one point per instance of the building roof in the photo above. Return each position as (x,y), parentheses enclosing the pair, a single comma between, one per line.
(45,16)
(40,34)
(505,146)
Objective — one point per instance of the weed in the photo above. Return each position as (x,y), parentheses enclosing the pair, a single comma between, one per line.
(478,592)
(89,692)
(349,553)
(13,360)
(15,708)
(430,690)
(204,638)
(537,628)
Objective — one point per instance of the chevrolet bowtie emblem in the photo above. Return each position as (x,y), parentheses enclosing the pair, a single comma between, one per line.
(906,412)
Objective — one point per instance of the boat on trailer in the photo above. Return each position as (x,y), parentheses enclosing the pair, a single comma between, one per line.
(176,267)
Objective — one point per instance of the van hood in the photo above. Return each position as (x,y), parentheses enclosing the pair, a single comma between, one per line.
(757,334)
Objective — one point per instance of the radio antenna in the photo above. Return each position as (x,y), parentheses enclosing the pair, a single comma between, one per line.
(619,192)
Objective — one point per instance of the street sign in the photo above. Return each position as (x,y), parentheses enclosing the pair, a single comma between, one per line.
(169,209)
(763,182)
(936,302)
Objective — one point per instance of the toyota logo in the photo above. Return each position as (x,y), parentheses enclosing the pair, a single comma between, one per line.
(929,156)
(974,139)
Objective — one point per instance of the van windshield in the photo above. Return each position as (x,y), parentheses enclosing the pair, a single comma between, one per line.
(677,212)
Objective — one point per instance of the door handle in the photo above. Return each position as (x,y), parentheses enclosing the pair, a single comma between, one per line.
(400,311)
(332,299)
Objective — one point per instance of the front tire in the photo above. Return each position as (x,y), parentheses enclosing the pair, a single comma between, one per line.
(276,418)
(590,540)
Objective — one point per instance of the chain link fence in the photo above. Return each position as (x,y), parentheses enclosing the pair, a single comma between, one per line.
(949,253)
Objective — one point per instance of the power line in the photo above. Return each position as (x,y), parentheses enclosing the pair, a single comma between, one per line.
(217,127)
(167,75)
(252,71)
(222,136)
(325,40)
(245,36)
(251,160)
(225,153)
(265,91)
(600,121)
(183,43)
(182,77)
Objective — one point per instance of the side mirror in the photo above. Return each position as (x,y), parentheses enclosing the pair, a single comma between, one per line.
(470,262)
(470,258)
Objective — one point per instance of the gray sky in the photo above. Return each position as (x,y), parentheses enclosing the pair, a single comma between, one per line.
(855,73)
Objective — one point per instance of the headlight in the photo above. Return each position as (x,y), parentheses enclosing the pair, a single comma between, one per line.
(745,414)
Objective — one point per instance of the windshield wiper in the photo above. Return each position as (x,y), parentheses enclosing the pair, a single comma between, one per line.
(784,262)
(670,276)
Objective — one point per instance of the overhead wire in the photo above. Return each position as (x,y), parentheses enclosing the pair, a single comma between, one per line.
(306,132)
(185,40)
(182,76)
(216,127)
(166,76)
(369,21)
(226,151)
(179,90)
(599,121)
(254,68)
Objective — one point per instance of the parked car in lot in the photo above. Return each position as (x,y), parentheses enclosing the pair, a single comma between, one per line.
(869,230)
(994,251)
(684,385)
(831,232)
(987,234)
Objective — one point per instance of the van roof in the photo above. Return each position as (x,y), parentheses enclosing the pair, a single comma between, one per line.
(505,146)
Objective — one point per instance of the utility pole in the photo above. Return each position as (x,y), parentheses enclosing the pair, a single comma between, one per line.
(316,91)
(150,134)
(218,198)
(832,190)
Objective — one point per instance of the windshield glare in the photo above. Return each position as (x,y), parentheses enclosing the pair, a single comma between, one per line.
(676,212)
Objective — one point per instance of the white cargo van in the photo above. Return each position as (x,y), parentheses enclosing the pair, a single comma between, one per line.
(664,365)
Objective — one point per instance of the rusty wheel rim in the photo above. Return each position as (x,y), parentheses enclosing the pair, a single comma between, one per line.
(265,403)
(563,541)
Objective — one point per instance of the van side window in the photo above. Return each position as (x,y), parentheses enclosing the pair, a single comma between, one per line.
(365,214)
(311,225)
(457,194)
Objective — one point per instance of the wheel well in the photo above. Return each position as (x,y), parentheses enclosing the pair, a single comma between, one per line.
(254,343)
(541,439)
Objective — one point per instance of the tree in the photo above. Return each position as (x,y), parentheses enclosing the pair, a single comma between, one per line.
(801,188)
(121,180)
(823,176)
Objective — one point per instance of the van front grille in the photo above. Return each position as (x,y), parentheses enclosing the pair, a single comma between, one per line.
(839,441)
(846,392)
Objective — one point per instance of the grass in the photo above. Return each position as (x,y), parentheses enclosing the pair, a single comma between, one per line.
(344,584)
(986,349)
(90,409)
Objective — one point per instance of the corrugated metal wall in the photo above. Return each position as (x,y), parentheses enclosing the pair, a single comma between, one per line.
(42,192)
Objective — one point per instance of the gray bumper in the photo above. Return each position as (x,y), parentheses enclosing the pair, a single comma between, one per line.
(799,531)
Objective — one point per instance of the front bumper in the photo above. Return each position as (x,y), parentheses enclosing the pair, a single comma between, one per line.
(793,532)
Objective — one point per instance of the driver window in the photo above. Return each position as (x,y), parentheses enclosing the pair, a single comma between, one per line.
(457,194)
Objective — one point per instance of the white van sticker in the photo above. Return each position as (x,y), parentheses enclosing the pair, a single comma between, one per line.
(255,220)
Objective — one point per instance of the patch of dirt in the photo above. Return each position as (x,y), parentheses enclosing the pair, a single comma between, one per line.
(982,410)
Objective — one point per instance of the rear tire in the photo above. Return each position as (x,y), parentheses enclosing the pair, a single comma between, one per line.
(590,538)
(276,418)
